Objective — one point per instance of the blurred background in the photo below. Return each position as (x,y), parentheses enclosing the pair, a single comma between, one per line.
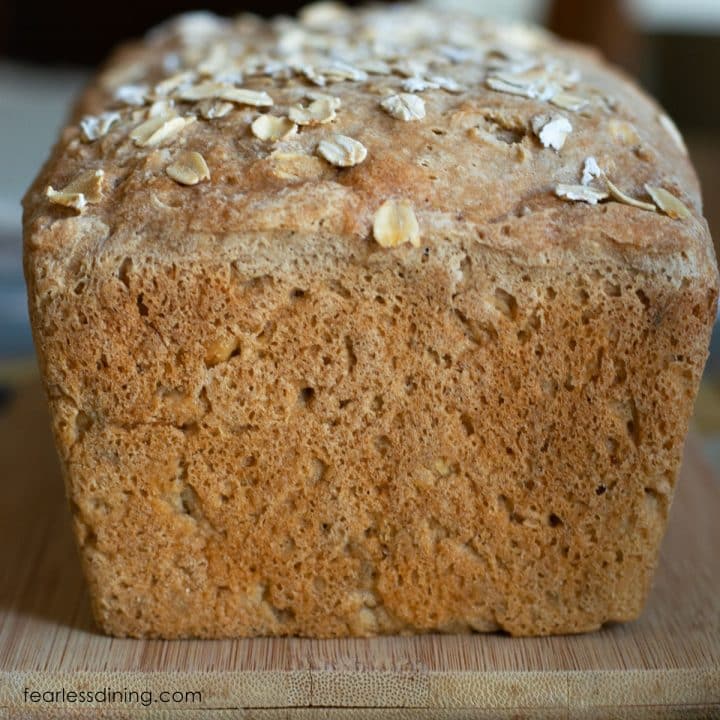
(48,50)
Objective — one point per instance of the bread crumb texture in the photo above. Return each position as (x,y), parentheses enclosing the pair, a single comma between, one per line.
(367,322)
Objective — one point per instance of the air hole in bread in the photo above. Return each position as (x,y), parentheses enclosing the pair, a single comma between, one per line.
(83,422)
(620,371)
(643,298)
(188,501)
(306,396)
(633,424)
(318,470)
(382,444)
(588,315)
(583,296)
(351,356)
(141,306)
(505,503)
(467,424)
(87,536)
(595,366)
(124,271)
(611,289)
(221,350)
(339,289)
(632,431)
(655,502)
(480,333)
(282,615)
(506,303)
(611,445)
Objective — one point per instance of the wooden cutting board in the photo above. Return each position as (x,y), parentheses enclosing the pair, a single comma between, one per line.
(667,664)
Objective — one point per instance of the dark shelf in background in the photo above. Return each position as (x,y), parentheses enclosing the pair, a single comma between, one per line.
(82,32)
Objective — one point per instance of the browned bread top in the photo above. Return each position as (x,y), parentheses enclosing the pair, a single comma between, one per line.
(397,124)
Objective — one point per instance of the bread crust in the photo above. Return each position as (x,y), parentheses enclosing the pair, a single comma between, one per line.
(269,424)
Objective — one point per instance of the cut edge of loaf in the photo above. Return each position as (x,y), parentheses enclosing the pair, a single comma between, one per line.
(387,447)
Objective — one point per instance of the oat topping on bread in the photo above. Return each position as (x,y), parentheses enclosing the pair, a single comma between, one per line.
(482,96)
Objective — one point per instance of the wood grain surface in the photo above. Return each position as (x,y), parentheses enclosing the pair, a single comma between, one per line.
(667,664)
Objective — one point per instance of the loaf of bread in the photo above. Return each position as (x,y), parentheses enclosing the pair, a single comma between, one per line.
(368,322)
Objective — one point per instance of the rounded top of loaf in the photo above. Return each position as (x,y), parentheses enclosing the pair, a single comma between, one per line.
(397,126)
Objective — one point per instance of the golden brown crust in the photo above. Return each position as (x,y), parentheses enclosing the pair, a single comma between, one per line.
(271,424)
